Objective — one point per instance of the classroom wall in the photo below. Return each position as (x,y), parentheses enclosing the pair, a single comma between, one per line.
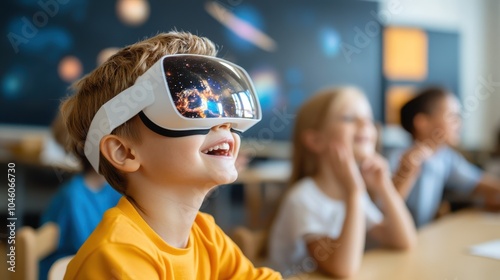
(478,24)
(313,33)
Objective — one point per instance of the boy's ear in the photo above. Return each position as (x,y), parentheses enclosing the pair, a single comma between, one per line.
(119,153)
(312,140)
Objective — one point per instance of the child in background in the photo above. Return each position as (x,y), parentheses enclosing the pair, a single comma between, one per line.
(423,171)
(77,207)
(327,213)
(159,120)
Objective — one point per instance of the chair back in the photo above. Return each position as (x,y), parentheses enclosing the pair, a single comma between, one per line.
(58,269)
(32,245)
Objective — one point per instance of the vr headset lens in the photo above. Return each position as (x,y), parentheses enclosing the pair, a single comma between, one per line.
(202,88)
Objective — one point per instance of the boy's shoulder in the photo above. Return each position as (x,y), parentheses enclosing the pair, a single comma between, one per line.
(116,229)
(116,238)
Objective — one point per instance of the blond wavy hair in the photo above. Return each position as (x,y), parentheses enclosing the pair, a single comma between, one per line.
(112,77)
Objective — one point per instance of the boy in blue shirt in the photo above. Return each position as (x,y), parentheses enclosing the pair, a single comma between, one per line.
(422,172)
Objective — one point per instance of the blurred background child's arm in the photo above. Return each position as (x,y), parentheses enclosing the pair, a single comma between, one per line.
(341,257)
(489,188)
(408,169)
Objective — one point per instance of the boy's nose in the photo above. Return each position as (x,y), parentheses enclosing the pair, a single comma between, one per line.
(222,126)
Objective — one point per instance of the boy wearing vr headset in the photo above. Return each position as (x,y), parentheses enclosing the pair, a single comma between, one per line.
(159,120)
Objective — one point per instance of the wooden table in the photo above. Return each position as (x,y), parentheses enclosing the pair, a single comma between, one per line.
(254,180)
(441,253)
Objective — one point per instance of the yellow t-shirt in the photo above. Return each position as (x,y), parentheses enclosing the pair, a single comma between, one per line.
(123,246)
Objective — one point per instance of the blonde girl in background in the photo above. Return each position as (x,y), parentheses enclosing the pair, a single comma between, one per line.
(326,214)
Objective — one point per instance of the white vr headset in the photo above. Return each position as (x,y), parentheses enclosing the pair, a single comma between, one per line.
(180,95)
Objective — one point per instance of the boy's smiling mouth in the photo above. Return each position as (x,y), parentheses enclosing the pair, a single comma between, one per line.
(221,148)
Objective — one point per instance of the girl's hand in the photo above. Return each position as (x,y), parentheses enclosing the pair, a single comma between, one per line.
(345,169)
(375,172)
